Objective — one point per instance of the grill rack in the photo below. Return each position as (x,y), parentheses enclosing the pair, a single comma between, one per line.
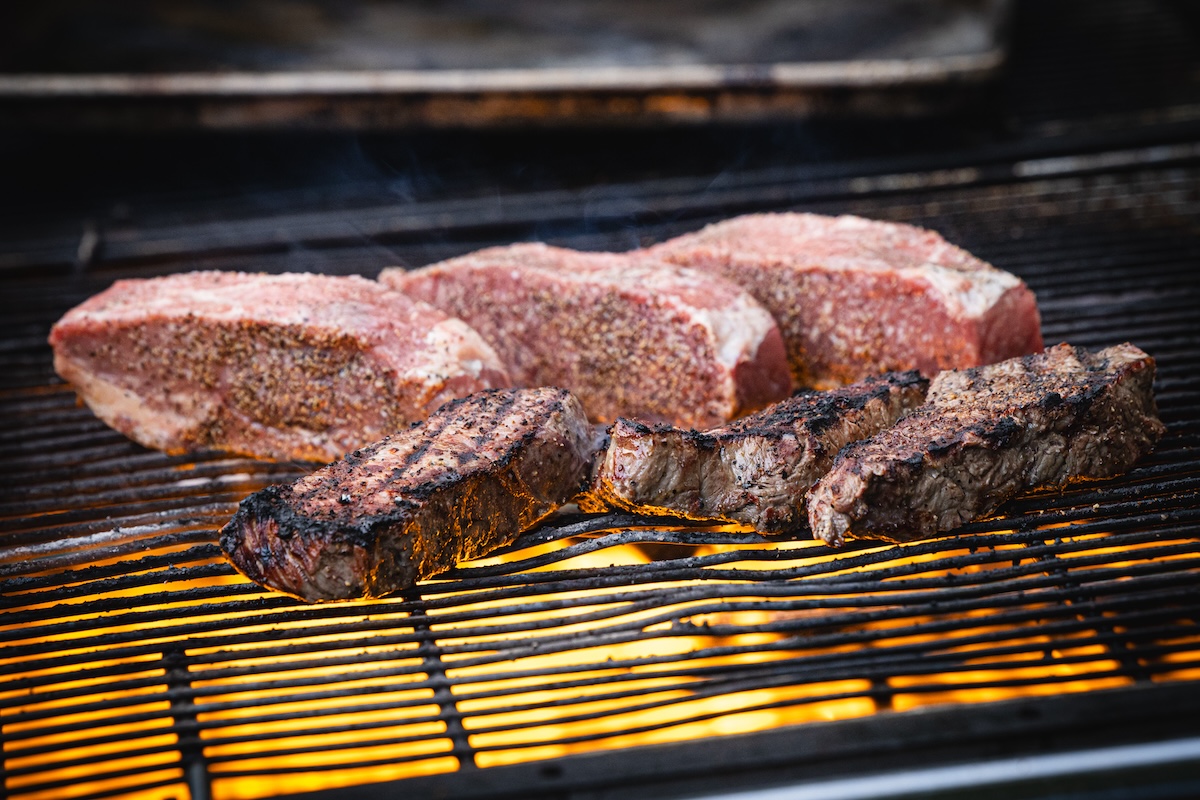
(118,604)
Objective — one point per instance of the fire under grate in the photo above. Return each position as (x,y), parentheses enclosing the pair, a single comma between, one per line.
(136,662)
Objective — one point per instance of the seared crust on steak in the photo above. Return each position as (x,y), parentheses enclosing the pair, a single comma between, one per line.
(756,470)
(292,366)
(470,479)
(855,297)
(628,334)
(986,434)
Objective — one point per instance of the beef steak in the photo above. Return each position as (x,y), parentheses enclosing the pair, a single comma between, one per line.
(274,366)
(987,433)
(630,335)
(855,297)
(756,470)
(468,480)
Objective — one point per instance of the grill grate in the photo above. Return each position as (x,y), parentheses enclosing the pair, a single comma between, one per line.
(134,661)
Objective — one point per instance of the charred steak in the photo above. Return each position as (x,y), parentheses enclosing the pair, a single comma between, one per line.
(855,297)
(987,433)
(630,335)
(468,480)
(274,366)
(756,470)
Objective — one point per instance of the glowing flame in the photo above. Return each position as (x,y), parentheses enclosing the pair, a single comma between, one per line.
(348,691)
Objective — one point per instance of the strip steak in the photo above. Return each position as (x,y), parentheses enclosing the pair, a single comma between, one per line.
(630,335)
(855,297)
(291,366)
(986,434)
(756,470)
(470,479)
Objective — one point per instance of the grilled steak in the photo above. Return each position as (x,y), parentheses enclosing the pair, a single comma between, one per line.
(478,472)
(856,297)
(629,335)
(986,434)
(756,470)
(284,366)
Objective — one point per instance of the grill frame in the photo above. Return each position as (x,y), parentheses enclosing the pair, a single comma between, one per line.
(811,757)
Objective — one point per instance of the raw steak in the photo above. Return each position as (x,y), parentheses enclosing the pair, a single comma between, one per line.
(855,297)
(630,335)
(274,366)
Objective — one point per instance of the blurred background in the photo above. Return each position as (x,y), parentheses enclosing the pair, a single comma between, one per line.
(306,134)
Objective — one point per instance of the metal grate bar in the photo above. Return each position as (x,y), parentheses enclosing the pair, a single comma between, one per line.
(892,606)
(183,711)
(1169,492)
(435,669)
(701,567)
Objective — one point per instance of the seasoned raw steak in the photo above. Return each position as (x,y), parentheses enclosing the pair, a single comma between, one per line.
(855,297)
(629,335)
(273,366)
(478,472)
(756,470)
(987,433)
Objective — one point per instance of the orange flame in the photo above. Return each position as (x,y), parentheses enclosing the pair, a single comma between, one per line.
(373,715)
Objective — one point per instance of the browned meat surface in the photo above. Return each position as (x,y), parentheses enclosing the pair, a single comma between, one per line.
(986,434)
(470,479)
(855,297)
(756,470)
(273,366)
(630,335)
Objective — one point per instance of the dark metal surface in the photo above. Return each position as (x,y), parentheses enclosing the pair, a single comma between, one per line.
(1069,745)
(369,65)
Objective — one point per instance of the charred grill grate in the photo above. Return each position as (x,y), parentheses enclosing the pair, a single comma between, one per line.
(135,661)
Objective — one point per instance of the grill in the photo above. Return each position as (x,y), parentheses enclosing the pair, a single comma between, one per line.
(1053,645)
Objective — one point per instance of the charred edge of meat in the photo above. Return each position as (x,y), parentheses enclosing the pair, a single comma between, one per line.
(274,545)
(815,410)
(873,499)
(454,512)
(753,471)
(818,411)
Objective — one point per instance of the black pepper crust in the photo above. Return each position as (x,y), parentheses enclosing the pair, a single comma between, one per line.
(295,366)
(632,336)
(481,469)
(874,310)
